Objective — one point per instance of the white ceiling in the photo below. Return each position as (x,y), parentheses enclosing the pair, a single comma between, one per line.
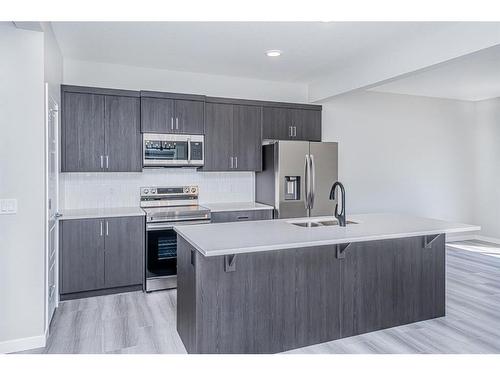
(473,77)
(311,50)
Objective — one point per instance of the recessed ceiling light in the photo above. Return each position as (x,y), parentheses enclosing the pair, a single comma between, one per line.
(273,53)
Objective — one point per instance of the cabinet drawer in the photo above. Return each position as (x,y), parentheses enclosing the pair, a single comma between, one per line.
(230,216)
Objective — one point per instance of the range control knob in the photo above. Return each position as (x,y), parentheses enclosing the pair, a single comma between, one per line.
(186,189)
(193,189)
(153,191)
(146,191)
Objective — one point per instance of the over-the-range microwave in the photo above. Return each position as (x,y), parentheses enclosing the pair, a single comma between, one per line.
(173,150)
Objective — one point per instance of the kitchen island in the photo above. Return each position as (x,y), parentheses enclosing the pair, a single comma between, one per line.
(275,285)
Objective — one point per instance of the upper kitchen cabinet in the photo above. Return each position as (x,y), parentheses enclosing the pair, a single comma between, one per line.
(233,139)
(100,130)
(297,122)
(172,113)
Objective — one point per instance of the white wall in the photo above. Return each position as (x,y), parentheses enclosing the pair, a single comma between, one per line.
(87,73)
(487,167)
(404,154)
(122,189)
(22,177)
(98,190)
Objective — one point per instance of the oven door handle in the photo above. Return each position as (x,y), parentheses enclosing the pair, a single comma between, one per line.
(164,226)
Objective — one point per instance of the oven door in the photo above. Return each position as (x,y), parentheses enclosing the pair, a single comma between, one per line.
(161,254)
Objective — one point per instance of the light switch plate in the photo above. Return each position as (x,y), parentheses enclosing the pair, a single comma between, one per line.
(8,206)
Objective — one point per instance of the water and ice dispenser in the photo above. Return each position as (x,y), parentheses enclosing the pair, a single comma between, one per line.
(292,188)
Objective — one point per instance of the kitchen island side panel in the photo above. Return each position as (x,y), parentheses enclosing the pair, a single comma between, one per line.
(186,294)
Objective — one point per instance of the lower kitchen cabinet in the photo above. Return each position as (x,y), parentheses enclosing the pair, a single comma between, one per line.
(229,216)
(123,252)
(81,255)
(101,255)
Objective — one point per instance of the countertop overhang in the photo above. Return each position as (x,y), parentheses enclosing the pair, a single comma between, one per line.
(267,235)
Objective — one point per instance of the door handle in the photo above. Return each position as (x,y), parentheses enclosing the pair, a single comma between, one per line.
(236,162)
(107,161)
(172,122)
(290,131)
(313,181)
(102,161)
(107,228)
(177,123)
(306,182)
(101,228)
(231,162)
(294,131)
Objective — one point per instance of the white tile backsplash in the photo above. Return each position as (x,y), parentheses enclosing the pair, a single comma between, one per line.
(103,190)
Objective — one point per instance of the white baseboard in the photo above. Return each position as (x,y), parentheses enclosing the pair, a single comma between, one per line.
(468,237)
(25,343)
(488,239)
(451,237)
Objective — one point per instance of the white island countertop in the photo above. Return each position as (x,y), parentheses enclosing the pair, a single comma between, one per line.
(236,206)
(268,235)
(93,213)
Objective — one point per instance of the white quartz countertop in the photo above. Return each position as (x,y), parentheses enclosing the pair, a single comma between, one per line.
(236,206)
(267,235)
(92,213)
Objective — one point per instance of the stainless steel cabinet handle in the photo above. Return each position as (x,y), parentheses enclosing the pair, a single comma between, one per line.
(236,162)
(177,123)
(101,228)
(294,131)
(172,123)
(107,161)
(102,162)
(290,131)
(231,162)
(107,228)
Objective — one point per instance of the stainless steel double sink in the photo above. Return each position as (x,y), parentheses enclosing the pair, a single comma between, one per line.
(319,223)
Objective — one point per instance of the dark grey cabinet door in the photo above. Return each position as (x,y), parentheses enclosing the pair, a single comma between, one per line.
(247,138)
(82,133)
(307,124)
(391,282)
(218,136)
(230,216)
(124,251)
(189,116)
(318,295)
(82,255)
(123,134)
(276,123)
(157,115)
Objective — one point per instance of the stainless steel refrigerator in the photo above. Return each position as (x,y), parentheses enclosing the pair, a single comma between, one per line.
(296,178)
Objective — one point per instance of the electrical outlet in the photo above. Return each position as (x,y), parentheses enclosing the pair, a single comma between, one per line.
(8,206)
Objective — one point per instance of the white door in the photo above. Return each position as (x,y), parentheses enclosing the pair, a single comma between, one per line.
(52,199)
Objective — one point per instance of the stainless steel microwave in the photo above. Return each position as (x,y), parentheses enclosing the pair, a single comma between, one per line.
(173,150)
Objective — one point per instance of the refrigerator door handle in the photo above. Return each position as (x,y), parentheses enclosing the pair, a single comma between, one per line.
(312,181)
(306,183)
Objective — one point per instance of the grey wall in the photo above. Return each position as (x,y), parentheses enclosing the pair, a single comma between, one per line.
(22,177)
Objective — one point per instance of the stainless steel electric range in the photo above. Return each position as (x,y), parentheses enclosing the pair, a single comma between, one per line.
(166,207)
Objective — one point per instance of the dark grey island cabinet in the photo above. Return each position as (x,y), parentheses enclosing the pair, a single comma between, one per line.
(101,256)
(100,130)
(277,300)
